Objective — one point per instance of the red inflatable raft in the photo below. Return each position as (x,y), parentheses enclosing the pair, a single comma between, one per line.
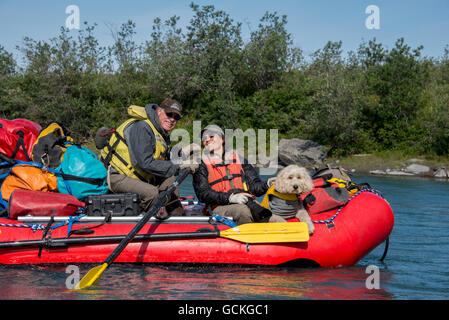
(341,238)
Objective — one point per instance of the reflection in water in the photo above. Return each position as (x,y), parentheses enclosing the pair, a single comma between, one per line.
(126,281)
(415,268)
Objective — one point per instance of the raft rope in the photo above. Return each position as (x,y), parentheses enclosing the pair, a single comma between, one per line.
(33,226)
(330,220)
(36,226)
(72,219)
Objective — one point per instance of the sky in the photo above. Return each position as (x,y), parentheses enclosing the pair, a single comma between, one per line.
(311,23)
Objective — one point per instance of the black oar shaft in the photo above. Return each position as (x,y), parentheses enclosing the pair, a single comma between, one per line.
(58,242)
(161,200)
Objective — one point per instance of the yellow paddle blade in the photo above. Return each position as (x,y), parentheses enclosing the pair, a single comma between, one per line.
(91,277)
(268,232)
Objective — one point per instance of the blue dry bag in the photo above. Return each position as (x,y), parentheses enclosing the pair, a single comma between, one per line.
(82,174)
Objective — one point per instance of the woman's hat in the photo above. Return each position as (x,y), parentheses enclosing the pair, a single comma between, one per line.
(212,129)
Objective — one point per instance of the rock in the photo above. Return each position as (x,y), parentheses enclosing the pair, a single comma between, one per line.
(441,172)
(377,172)
(398,173)
(300,152)
(391,172)
(417,169)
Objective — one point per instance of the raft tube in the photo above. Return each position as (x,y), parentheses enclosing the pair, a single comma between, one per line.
(342,237)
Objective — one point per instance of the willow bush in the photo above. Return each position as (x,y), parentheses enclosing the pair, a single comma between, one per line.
(372,99)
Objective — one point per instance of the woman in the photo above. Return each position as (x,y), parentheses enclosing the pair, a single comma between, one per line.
(227,183)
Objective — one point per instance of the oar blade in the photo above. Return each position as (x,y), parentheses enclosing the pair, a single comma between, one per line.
(268,232)
(91,277)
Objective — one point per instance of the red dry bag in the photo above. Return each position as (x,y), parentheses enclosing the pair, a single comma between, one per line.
(17,138)
(39,203)
(325,196)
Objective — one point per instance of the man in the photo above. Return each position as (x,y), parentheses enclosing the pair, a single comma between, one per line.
(138,154)
(228,183)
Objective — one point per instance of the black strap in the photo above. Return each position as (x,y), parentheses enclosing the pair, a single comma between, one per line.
(237,191)
(95,181)
(231,176)
(111,152)
(228,177)
(47,228)
(20,143)
(7,159)
(225,163)
(387,242)
(309,200)
(111,149)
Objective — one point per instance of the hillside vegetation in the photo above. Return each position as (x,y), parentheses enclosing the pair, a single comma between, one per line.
(371,100)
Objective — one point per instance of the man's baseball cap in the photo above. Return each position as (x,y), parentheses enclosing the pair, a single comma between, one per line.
(171,105)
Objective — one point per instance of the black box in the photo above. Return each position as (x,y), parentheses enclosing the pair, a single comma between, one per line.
(120,204)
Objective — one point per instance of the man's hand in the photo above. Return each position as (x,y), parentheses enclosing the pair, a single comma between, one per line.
(191,149)
(189,165)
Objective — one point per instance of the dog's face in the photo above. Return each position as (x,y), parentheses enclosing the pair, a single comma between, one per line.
(293,179)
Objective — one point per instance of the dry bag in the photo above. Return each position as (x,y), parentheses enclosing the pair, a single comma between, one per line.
(17,138)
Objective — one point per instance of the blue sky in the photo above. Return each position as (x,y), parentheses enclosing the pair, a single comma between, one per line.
(311,23)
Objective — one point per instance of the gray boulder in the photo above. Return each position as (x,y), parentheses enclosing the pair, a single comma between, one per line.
(441,172)
(417,169)
(300,152)
(398,173)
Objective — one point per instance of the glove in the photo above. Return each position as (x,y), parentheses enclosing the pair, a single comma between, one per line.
(239,198)
(189,165)
(187,151)
(270,181)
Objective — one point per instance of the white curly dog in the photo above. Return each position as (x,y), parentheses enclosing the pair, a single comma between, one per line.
(290,182)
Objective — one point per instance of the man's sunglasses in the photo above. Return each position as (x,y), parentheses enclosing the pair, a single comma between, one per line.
(173,115)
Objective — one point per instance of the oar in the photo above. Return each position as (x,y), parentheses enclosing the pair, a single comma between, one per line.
(246,233)
(94,274)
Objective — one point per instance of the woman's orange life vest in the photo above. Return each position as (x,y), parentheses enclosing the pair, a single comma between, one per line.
(225,174)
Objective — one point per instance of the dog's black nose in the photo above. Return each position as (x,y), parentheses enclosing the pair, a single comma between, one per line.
(295,186)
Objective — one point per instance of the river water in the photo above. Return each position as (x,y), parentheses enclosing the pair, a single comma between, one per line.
(416,266)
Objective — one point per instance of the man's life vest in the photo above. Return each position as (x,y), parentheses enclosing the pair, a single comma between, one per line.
(226,175)
(116,152)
